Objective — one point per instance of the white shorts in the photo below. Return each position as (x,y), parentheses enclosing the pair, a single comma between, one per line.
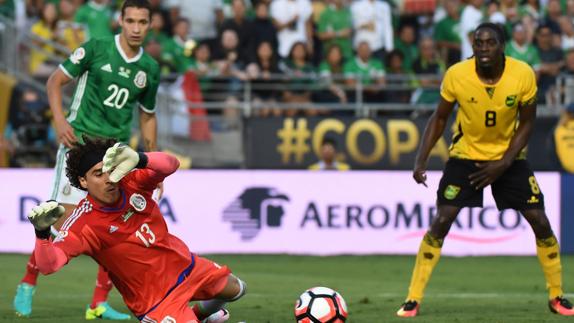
(62,191)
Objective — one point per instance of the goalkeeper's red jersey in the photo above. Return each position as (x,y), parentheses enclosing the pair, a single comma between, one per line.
(131,241)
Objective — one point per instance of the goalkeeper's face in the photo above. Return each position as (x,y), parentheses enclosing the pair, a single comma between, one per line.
(99,186)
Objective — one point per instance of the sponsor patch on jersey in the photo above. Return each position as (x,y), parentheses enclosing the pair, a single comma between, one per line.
(451,192)
(113,228)
(510,101)
(61,235)
(138,202)
(140,79)
(77,55)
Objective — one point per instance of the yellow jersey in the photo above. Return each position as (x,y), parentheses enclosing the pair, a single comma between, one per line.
(487,116)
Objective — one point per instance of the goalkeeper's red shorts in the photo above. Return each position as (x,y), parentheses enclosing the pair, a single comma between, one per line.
(206,280)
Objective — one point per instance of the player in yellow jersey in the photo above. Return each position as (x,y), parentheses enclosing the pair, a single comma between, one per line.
(497,107)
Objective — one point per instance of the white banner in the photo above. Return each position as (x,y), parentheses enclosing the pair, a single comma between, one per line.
(301,212)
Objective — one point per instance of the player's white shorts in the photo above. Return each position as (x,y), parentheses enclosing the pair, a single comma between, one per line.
(62,191)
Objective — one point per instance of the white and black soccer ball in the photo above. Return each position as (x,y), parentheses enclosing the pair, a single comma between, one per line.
(320,305)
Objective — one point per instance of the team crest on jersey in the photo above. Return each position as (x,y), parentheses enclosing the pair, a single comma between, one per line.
(67,189)
(138,202)
(451,192)
(140,79)
(510,101)
(77,55)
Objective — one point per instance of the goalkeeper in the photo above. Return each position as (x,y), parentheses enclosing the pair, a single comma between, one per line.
(120,226)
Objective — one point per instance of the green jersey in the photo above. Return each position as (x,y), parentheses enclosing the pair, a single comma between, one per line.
(333,19)
(526,53)
(448,30)
(96,18)
(369,71)
(110,84)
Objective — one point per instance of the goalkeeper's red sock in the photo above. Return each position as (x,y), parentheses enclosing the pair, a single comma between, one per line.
(32,271)
(103,287)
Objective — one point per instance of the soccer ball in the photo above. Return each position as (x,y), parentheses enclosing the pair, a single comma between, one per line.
(320,305)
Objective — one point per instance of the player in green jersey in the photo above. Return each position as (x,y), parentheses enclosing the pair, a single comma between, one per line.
(115,76)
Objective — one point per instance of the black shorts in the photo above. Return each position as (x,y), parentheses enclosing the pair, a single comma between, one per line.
(516,188)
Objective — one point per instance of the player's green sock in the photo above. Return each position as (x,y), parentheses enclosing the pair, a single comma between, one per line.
(427,258)
(548,252)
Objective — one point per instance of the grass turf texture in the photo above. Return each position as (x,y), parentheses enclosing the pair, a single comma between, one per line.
(470,289)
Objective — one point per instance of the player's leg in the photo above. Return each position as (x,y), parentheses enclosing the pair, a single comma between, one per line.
(548,251)
(213,311)
(217,287)
(25,290)
(454,192)
(100,308)
(517,189)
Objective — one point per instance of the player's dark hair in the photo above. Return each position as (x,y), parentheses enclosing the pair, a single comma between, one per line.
(142,4)
(496,28)
(329,141)
(78,153)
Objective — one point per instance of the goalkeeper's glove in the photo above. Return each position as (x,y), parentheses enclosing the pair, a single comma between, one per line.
(120,160)
(44,215)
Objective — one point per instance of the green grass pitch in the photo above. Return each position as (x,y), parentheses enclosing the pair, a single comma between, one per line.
(469,289)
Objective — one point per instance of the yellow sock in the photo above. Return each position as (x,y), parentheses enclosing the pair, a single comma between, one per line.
(427,258)
(549,256)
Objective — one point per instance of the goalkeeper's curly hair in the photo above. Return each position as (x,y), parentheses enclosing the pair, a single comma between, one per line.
(75,155)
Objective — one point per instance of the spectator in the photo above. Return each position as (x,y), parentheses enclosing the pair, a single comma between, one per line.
(398,77)
(300,74)
(96,17)
(567,37)
(292,19)
(552,61)
(177,50)
(428,69)
(243,27)
(335,27)
(553,13)
(204,68)
(205,17)
(563,139)
(331,73)
(157,28)
(263,73)
(367,70)
(406,44)
(372,23)
(70,33)
(510,10)
(494,13)
(263,28)
(521,49)
(229,62)
(202,64)
(328,157)
(45,32)
(470,18)
(531,8)
(446,33)
(157,8)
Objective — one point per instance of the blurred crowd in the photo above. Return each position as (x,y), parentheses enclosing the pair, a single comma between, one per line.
(317,50)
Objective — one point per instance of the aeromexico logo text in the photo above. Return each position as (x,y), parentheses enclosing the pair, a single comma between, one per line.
(405,216)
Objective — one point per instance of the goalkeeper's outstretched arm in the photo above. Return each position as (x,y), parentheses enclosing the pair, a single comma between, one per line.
(49,258)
